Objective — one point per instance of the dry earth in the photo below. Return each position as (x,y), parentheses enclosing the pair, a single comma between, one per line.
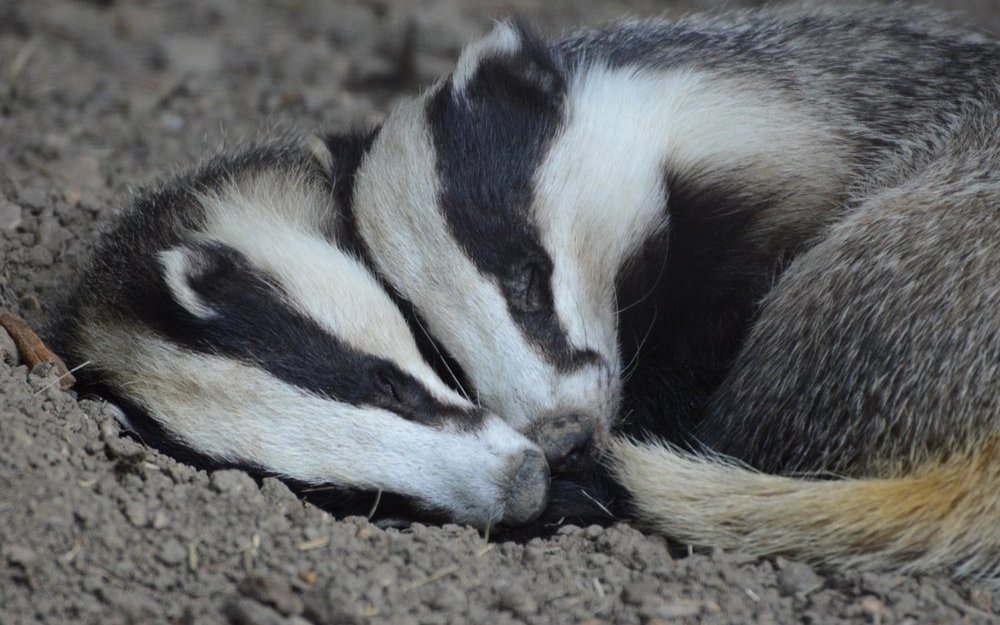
(96,97)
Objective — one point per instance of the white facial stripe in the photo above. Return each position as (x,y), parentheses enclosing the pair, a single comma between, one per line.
(502,40)
(237,412)
(413,247)
(276,226)
(600,191)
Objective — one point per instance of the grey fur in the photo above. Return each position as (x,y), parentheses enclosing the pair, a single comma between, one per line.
(879,347)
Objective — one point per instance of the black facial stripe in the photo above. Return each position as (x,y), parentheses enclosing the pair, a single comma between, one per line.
(255,325)
(348,150)
(489,141)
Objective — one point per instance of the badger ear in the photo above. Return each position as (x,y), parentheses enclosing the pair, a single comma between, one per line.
(509,61)
(182,267)
(201,273)
(339,155)
(320,152)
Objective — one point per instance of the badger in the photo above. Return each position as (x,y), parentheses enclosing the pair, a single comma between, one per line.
(760,249)
(227,312)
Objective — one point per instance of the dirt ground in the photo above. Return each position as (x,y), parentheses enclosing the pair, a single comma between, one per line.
(97,97)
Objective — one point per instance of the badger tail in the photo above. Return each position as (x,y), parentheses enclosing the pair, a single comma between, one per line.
(943,517)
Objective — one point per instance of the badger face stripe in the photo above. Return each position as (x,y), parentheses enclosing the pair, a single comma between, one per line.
(481,131)
(253,322)
(347,152)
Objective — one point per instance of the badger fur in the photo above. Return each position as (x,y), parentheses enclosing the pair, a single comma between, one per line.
(226,311)
(769,240)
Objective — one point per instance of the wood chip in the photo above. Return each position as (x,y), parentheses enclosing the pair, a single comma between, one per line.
(433,577)
(309,545)
(33,350)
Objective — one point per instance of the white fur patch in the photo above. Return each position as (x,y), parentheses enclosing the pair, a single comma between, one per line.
(320,153)
(236,412)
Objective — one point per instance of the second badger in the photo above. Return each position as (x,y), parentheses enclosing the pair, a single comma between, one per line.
(774,234)
(227,314)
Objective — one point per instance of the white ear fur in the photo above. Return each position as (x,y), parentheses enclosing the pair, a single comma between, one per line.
(320,153)
(179,264)
(504,39)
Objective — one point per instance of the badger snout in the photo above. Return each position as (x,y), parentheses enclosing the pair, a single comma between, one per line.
(571,442)
(527,488)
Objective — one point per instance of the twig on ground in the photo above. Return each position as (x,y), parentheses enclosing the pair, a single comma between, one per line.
(33,350)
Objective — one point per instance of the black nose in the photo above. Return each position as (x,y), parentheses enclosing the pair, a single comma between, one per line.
(568,443)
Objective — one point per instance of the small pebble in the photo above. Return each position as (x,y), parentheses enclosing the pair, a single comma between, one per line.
(171,122)
(40,257)
(797,578)
(20,556)
(10,214)
(173,552)
(875,609)
(272,590)
(136,513)
(518,601)
(234,482)
(32,196)
(275,491)
(160,520)
(242,611)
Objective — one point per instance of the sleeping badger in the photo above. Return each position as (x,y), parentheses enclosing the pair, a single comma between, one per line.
(227,312)
(770,240)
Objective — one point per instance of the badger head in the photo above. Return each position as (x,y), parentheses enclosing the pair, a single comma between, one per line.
(446,201)
(226,311)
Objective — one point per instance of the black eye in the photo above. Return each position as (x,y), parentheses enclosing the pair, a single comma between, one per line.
(387,383)
(398,389)
(529,288)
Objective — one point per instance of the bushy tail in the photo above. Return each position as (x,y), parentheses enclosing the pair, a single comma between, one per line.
(943,517)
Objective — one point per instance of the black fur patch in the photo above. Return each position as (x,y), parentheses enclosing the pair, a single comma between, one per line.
(686,299)
(588,497)
(348,150)
(489,139)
